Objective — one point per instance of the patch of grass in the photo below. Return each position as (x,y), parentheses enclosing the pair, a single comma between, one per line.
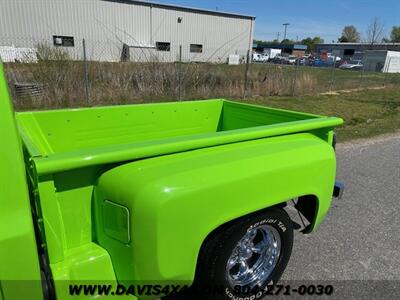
(366,113)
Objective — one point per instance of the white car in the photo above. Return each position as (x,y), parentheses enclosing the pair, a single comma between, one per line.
(291,60)
(352,65)
(257,57)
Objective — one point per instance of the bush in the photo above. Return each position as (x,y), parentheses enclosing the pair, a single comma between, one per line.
(47,53)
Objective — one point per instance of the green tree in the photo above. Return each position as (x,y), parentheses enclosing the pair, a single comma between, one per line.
(287,42)
(312,42)
(395,35)
(258,42)
(350,34)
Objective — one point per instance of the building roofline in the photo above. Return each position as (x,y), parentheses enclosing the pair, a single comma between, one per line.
(185,8)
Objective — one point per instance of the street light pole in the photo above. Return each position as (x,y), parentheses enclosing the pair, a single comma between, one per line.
(285,25)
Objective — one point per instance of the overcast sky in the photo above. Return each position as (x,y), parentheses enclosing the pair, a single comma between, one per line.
(307,17)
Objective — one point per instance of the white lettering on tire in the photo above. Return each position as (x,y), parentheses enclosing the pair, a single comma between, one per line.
(269,221)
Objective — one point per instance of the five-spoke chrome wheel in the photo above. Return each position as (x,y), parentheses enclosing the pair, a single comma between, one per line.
(242,258)
(254,257)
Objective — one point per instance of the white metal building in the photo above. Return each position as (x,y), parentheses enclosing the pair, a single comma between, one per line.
(125,29)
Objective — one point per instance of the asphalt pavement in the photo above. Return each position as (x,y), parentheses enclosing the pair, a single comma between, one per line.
(359,241)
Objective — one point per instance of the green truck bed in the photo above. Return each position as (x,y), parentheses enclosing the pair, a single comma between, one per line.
(74,138)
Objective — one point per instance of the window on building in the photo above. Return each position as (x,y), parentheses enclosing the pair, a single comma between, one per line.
(196,48)
(64,41)
(163,46)
(349,52)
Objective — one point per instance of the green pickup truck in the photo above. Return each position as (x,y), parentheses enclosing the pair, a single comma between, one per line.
(185,194)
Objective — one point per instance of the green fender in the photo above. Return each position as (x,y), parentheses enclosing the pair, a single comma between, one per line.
(168,205)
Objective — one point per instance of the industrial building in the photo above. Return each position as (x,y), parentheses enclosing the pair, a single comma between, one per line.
(116,30)
(354,50)
(297,50)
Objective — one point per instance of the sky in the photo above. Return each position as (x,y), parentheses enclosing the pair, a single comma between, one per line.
(307,17)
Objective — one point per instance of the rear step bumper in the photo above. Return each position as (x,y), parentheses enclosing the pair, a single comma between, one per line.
(338,190)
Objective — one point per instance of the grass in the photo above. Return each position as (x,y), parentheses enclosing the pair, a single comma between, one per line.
(321,80)
(366,111)
(121,83)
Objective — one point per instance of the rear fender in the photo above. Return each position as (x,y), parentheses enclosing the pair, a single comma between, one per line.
(170,204)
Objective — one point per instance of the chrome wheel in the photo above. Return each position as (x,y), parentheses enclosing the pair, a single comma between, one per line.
(254,257)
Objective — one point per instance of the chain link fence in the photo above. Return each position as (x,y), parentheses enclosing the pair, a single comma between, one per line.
(88,73)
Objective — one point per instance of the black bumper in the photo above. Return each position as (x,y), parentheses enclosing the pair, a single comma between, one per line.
(338,190)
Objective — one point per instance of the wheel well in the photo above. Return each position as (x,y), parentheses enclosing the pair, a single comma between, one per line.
(307,205)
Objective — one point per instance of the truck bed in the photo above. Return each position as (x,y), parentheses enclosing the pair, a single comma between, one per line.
(61,140)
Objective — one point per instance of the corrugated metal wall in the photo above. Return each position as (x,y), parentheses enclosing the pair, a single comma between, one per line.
(107,25)
(382,61)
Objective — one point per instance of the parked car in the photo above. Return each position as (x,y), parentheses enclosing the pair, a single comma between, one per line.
(279,59)
(352,65)
(334,59)
(285,60)
(258,57)
(302,61)
(186,192)
(291,60)
(311,60)
(318,62)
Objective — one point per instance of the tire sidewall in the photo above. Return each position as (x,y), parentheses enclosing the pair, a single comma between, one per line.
(276,218)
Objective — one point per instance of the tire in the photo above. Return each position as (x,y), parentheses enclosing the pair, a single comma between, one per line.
(215,279)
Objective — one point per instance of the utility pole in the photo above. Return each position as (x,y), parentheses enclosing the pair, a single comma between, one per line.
(285,25)
(279,35)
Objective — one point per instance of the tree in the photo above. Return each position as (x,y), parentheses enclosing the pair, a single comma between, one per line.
(350,35)
(395,35)
(259,42)
(312,42)
(375,31)
(287,42)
